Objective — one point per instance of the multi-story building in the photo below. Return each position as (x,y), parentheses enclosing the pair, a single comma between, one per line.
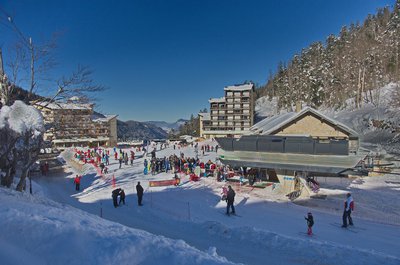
(73,124)
(230,116)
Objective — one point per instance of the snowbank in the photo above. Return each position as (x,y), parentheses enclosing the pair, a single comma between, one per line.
(36,230)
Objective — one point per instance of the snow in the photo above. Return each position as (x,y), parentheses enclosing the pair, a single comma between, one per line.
(36,230)
(21,118)
(243,87)
(187,224)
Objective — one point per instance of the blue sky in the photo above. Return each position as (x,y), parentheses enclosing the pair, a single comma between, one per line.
(163,60)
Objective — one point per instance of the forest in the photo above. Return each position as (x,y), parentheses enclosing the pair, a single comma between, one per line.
(361,58)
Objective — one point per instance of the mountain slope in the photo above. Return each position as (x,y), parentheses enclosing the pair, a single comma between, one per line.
(166,126)
(131,130)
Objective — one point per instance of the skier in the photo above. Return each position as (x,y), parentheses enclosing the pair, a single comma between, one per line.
(126,159)
(230,198)
(310,223)
(348,208)
(102,166)
(139,191)
(122,197)
(115,194)
(120,161)
(77,182)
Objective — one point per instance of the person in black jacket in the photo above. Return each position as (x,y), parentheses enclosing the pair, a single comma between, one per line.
(230,198)
(115,194)
(122,197)
(310,223)
(139,191)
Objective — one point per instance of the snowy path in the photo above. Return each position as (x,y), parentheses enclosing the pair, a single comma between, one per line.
(247,239)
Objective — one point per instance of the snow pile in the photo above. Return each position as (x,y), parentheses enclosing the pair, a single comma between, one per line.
(21,118)
(36,230)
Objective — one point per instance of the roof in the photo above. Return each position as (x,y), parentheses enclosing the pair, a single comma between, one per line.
(205,115)
(57,105)
(216,100)
(103,118)
(81,140)
(271,124)
(243,87)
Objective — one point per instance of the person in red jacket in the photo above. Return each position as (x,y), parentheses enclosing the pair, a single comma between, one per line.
(77,182)
(348,208)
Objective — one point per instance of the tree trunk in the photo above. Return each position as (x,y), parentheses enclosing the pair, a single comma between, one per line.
(362,87)
(22,181)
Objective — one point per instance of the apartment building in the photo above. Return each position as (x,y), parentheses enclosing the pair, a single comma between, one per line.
(231,115)
(73,124)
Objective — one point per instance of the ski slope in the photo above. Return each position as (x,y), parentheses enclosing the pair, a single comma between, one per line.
(269,230)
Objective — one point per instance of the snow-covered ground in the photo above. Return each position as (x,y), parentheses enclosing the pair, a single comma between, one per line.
(187,224)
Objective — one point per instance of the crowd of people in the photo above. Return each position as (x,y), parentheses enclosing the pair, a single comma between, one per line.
(188,165)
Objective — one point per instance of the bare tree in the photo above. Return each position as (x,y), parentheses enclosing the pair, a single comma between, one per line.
(79,84)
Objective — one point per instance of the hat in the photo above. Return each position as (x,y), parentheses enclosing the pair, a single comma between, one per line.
(309,213)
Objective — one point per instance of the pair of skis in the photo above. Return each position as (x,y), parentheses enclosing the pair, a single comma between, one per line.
(351,228)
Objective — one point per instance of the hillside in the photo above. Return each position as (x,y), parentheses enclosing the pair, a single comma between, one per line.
(350,65)
(131,130)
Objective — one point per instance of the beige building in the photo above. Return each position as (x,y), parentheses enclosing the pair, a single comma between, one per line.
(231,115)
(74,124)
(308,122)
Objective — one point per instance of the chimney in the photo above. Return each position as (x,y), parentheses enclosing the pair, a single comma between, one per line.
(298,106)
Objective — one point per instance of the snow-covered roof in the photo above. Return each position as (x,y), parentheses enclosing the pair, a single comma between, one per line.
(271,124)
(243,87)
(57,105)
(216,100)
(205,115)
(81,140)
(103,118)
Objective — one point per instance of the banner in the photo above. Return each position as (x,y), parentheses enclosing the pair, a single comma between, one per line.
(160,183)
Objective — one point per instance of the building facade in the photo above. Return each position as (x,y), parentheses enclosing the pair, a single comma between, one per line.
(231,115)
(72,124)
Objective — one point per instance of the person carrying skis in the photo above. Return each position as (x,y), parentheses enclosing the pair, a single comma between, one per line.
(77,182)
(230,198)
(310,223)
(348,208)
(139,191)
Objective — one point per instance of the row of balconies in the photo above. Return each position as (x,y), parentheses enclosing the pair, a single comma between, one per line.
(230,118)
(238,105)
(225,129)
(237,94)
(230,124)
(238,100)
